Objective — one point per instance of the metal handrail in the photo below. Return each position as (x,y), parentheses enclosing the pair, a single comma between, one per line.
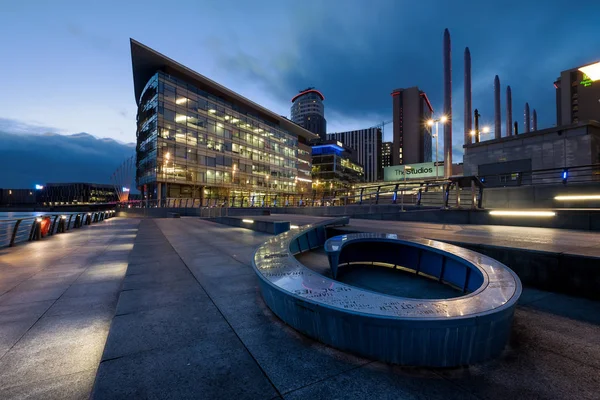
(22,229)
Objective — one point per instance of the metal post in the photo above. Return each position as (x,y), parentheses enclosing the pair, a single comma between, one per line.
(457,195)
(34,228)
(361,195)
(446,193)
(395,196)
(14,233)
(53,225)
(377,195)
(437,135)
(473,195)
(403,189)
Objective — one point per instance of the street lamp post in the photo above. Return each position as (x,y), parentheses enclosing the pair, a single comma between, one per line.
(477,134)
(443,120)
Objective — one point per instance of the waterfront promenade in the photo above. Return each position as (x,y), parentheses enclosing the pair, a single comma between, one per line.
(57,301)
(187,320)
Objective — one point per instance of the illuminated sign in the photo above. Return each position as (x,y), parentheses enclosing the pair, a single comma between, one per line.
(125,189)
(38,187)
(413,171)
(586,81)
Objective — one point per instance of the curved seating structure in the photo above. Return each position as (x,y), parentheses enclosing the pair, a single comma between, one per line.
(440,332)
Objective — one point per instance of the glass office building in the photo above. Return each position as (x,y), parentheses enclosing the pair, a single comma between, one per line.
(198,139)
(334,168)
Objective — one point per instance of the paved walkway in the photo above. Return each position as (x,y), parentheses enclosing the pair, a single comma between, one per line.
(564,241)
(57,300)
(191,323)
(187,320)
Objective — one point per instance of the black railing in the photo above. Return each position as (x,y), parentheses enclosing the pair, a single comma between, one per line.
(23,229)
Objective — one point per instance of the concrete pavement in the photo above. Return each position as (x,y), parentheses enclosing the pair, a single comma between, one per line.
(187,320)
(57,301)
(223,342)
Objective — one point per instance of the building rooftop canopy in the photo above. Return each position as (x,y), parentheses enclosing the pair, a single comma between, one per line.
(146,62)
(310,90)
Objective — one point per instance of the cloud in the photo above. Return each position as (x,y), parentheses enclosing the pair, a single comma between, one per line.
(34,158)
(358,56)
(21,127)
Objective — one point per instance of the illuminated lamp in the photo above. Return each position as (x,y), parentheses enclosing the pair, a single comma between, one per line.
(578,197)
(592,71)
(500,213)
(248,221)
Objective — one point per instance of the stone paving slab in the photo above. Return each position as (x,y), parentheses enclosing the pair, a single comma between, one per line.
(187,320)
(547,338)
(169,339)
(55,316)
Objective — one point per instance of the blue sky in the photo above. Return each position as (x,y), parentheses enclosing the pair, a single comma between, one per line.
(67,68)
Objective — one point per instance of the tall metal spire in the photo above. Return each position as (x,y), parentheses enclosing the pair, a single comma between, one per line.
(497,110)
(509,121)
(447,104)
(468,97)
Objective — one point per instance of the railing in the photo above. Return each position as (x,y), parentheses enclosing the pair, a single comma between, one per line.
(464,192)
(420,194)
(551,176)
(23,229)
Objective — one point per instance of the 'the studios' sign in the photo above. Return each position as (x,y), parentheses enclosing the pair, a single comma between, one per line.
(413,171)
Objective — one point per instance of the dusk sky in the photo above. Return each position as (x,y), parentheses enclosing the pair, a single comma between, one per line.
(67,67)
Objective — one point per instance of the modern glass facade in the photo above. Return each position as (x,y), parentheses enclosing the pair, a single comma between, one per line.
(334,168)
(194,143)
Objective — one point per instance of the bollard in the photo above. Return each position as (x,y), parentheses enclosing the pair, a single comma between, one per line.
(88,219)
(69,222)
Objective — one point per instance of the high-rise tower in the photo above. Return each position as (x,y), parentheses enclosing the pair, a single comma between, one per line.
(447,104)
(412,136)
(308,111)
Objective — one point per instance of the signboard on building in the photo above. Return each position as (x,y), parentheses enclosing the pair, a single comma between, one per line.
(419,171)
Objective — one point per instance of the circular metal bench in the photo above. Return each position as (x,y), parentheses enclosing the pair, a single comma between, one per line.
(440,333)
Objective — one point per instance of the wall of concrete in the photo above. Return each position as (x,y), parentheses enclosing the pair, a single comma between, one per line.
(540,196)
(565,219)
(548,148)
